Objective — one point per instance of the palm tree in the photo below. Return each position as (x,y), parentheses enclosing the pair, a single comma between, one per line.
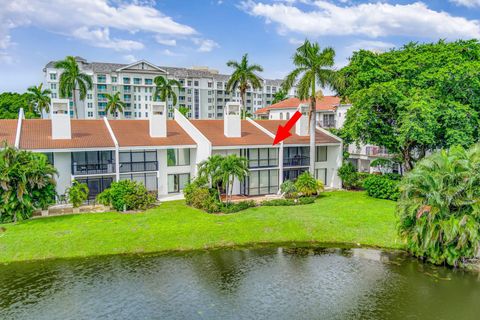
(183,110)
(313,66)
(164,89)
(114,104)
(39,99)
(233,167)
(243,77)
(211,169)
(438,206)
(280,95)
(73,79)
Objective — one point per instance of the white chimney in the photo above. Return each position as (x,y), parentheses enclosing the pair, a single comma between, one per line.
(232,124)
(158,119)
(301,127)
(60,117)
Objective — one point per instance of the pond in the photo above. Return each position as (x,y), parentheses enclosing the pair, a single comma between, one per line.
(268,283)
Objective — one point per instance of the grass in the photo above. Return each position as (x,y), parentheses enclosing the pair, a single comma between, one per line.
(336,218)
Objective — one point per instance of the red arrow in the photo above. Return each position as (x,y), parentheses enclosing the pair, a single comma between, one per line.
(283,132)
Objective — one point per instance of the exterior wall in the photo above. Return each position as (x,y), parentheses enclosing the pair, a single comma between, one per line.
(226,152)
(334,161)
(63,163)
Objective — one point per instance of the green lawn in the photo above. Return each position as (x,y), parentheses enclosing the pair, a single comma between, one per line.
(337,217)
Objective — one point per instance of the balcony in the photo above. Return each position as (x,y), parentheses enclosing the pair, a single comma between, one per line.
(375,151)
(92,168)
(138,166)
(296,161)
(326,123)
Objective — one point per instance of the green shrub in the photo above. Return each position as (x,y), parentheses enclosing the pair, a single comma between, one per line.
(237,206)
(199,195)
(77,193)
(382,187)
(44,197)
(288,202)
(289,189)
(127,195)
(349,176)
(307,185)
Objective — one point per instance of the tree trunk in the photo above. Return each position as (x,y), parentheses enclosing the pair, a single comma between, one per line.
(407,159)
(312,124)
(244,107)
(74,104)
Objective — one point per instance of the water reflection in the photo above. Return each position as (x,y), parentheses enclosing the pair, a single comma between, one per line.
(275,283)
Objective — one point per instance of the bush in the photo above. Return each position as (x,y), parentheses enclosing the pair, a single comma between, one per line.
(127,195)
(44,197)
(382,187)
(237,206)
(77,193)
(349,176)
(307,185)
(199,195)
(288,202)
(289,189)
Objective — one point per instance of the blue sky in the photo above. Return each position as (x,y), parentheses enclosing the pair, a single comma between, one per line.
(210,32)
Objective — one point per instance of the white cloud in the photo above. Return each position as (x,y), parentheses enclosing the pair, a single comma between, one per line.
(205,45)
(368,19)
(90,21)
(101,38)
(130,58)
(170,53)
(295,41)
(165,42)
(467,3)
(376,46)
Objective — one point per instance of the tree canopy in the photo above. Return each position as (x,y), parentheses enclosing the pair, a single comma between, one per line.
(10,104)
(415,99)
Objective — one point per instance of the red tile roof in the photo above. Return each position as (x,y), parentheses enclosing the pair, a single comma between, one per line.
(320,137)
(86,134)
(213,131)
(136,133)
(327,103)
(8,131)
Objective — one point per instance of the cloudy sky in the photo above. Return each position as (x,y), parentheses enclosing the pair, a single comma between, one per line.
(210,32)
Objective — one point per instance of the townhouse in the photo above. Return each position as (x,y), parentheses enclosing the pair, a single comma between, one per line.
(331,113)
(164,154)
(203,94)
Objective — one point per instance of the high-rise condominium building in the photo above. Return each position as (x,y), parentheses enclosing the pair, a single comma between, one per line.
(203,91)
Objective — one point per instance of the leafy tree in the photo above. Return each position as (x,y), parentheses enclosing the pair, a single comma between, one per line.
(184,111)
(77,193)
(164,89)
(438,206)
(11,103)
(25,177)
(39,99)
(243,77)
(73,79)
(414,100)
(280,95)
(307,185)
(313,67)
(115,104)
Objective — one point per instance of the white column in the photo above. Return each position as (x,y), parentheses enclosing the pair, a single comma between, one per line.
(280,165)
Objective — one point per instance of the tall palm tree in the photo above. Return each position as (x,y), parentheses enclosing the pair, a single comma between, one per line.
(243,77)
(313,67)
(233,167)
(280,95)
(73,79)
(114,104)
(164,89)
(39,98)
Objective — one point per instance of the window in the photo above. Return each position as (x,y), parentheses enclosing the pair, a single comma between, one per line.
(96,185)
(53,76)
(90,114)
(178,157)
(114,88)
(93,162)
(321,154)
(296,156)
(126,80)
(49,157)
(148,81)
(137,161)
(53,86)
(281,116)
(137,81)
(101,78)
(89,96)
(54,95)
(114,79)
(148,179)
(210,84)
(263,157)
(261,182)
(177,182)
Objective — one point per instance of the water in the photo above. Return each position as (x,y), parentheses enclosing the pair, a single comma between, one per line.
(272,283)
